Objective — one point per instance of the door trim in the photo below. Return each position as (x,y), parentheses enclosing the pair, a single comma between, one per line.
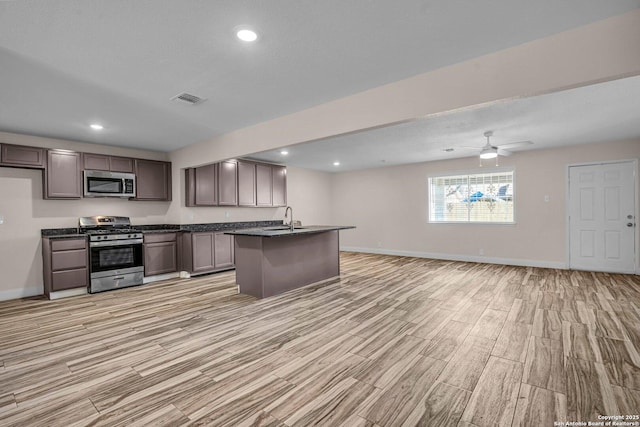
(636,239)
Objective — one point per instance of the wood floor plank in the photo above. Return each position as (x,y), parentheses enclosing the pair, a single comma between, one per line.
(628,400)
(544,365)
(579,341)
(547,324)
(621,361)
(539,407)
(468,362)
(493,401)
(522,311)
(444,344)
(490,324)
(443,406)
(588,391)
(401,398)
(513,341)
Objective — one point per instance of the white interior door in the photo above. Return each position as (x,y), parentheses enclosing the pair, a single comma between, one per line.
(602,217)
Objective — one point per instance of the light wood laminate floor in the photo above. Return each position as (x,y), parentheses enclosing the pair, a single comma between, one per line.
(397,341)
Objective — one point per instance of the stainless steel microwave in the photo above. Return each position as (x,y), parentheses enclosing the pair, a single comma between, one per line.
(109,184)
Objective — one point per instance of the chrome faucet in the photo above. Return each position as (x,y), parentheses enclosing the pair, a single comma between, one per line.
(289,209)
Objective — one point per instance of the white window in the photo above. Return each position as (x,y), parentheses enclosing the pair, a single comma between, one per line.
(472,197)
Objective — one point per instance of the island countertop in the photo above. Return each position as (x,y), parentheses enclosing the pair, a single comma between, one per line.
(283,230)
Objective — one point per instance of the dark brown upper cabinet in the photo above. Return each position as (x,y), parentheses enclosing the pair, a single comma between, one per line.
(279,194)
(246,183)
(153,180)
(228,183)
(22,156)
(206,185)
(236,183)
(63,175)
(264,184)
(108,163)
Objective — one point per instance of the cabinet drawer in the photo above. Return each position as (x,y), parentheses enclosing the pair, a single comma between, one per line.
(68,244)
(69,279)
(67,260)
(159,237)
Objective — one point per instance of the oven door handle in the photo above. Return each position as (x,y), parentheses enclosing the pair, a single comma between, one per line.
(115,243)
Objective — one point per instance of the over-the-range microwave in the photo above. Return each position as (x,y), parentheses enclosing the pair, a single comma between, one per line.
(109,184)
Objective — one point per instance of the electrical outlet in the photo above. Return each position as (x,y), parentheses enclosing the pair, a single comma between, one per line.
(481,251)
(379,244)
(227,214)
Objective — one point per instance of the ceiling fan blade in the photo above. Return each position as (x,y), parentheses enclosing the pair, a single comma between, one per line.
(512,145)
(505,153)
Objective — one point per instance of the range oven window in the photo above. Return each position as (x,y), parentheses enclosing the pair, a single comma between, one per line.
(104,185)
(107,258)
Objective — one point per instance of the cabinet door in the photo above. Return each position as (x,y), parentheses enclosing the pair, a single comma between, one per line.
(63,179)
(228,183)
(153,180)
(206,185)
(279,197)
(246,183)
(223,250)
(96,162)
(121,164)
(264,185)
(160,258)
(203,252)
(22,156)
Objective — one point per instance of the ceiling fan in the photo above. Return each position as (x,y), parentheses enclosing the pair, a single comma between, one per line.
(489,151)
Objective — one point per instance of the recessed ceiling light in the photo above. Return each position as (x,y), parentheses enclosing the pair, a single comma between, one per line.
(284,152)
(336,163)
(247,35)
(96,126)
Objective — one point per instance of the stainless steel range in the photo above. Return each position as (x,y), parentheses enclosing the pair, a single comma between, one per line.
(115,252)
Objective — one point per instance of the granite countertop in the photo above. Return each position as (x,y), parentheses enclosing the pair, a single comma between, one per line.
(282,230)
(71,233)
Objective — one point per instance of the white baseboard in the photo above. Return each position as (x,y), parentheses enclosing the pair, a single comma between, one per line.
(159,277)
(464,258)
(21,293)
(67,293)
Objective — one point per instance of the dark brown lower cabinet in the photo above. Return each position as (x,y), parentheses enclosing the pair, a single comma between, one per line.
(223,249)
(65,264)
(160,253)
(207,251)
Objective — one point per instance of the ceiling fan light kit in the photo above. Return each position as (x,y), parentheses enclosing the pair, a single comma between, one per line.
(489,153)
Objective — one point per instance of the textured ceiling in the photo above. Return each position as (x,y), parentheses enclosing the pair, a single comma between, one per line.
(68,63)
(603,112)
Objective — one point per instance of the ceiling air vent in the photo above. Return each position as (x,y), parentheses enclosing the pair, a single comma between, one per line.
(188,98)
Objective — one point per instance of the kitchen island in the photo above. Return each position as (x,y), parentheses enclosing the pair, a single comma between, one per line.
(273,260)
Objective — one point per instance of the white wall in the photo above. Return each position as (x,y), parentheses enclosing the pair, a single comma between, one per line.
(389,207)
